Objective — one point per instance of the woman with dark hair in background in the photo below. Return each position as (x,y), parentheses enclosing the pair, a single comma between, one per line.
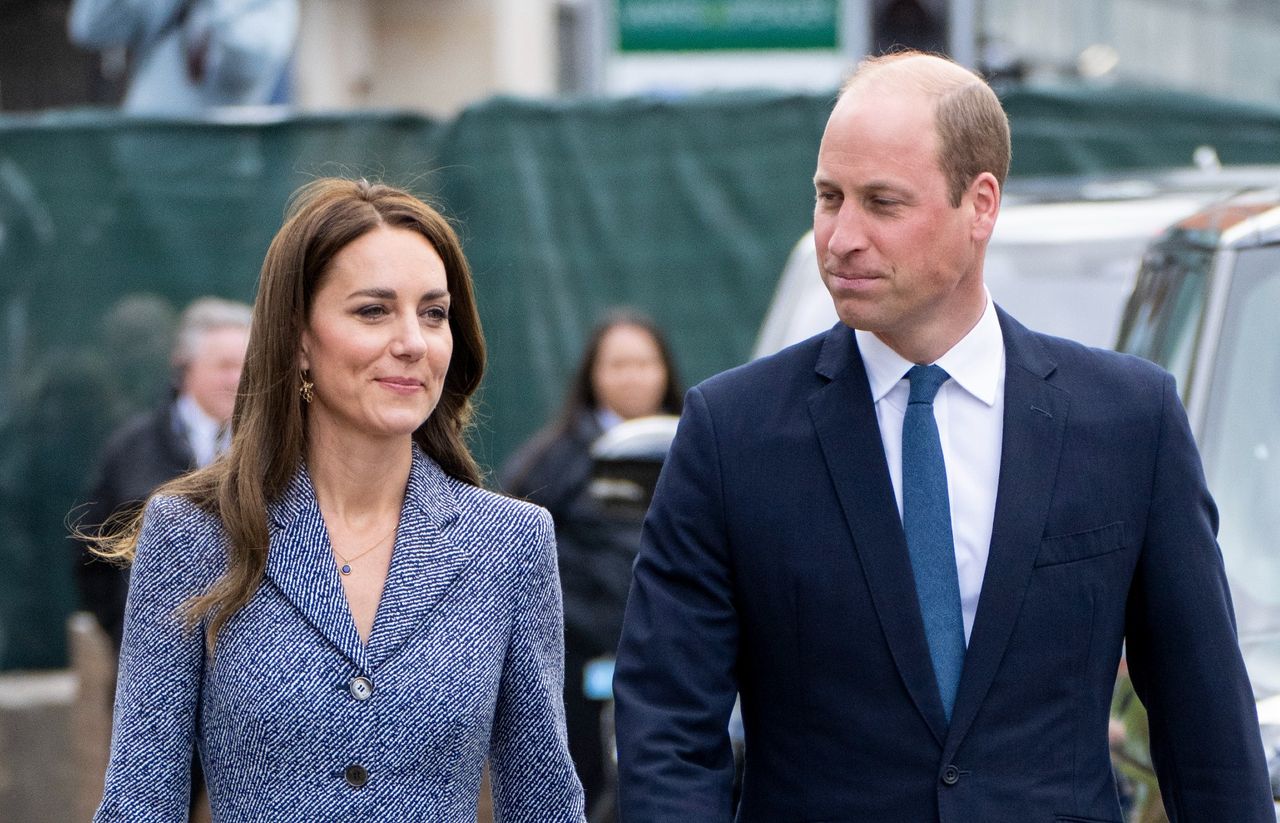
(335,615)
(626,372)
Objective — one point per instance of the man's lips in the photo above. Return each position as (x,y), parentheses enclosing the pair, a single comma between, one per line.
(851,280)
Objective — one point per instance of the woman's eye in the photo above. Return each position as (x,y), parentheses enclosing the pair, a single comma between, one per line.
(371,312)
(436,313)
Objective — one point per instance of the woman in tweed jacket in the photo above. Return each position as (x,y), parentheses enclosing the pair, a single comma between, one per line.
(335,618)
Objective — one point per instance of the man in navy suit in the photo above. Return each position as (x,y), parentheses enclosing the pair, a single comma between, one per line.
(917,543)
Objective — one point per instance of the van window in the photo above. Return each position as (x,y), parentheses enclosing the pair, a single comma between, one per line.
(1241,448)
(1162,321)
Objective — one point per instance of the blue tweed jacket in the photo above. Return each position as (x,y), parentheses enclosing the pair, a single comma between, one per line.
(295,719)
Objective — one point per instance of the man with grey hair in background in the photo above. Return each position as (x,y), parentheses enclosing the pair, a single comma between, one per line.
(916,543)
(189,430)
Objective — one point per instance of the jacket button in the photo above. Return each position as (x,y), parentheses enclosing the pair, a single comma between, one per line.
(950,775)
(361,688)
(356,775)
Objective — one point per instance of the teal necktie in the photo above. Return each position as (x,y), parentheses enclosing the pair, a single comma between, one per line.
(926,519)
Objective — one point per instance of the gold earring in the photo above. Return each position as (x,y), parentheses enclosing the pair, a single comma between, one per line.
(307,389)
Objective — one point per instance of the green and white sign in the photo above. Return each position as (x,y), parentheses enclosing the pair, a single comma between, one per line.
(713,25)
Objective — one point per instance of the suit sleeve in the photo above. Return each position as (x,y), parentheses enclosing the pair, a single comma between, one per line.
(675,683)
(1183,655)
(533,775)
(158,686)
(100,584)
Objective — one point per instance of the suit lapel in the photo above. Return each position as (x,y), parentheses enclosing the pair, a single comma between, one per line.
(1035,418)
(845,419)
(424,565)
(300,564)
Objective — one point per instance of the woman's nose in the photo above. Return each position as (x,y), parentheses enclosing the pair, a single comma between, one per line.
(409,343)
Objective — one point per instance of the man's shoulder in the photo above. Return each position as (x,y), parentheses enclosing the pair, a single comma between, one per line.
(1091,372)
(143,431)
(770,375)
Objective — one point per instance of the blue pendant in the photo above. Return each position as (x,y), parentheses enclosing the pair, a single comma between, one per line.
(346,568)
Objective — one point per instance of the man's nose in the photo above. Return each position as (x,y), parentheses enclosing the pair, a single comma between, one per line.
(849,233)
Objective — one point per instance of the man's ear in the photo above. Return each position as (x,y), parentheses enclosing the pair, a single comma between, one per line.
(984,195)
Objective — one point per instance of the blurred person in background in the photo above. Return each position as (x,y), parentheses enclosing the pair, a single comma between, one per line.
(348,491)
(185,432)
(626,372)
(183,56)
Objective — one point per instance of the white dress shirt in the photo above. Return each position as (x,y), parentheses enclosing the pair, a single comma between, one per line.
(969,410)
(205,437)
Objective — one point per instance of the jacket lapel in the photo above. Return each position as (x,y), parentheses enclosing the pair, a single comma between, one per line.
(845,419)
(425,563)
(300,564)
(1035,418)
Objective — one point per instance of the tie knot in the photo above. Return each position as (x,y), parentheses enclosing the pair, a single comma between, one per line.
(925,382)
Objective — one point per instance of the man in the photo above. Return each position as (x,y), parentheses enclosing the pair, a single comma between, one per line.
(188,431)
(916,543)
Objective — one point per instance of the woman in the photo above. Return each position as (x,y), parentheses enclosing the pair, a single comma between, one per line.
(626,372)
(335,616)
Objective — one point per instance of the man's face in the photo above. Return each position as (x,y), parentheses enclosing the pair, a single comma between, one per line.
(213,374)
(899,260)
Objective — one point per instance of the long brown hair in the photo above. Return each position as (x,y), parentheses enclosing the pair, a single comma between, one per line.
(268,426)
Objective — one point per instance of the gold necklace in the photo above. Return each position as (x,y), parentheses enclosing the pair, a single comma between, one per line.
(345,567)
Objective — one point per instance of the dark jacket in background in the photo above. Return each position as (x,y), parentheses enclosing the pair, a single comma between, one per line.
(595,553)
(144,453)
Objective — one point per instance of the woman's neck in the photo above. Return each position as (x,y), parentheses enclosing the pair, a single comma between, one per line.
(359,481)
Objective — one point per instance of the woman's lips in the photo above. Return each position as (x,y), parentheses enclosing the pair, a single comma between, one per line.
(401,385)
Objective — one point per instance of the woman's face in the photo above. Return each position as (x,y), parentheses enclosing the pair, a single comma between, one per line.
(377,343)
(629,377)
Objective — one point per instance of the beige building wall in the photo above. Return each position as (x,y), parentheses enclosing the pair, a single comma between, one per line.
(434,56)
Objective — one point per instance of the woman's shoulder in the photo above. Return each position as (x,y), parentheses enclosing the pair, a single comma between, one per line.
(479,505)
(176,531)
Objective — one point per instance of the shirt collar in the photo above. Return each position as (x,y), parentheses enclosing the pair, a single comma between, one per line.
(197,423)
(975,363)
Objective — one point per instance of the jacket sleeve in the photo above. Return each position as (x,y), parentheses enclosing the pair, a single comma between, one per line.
(674,685)
(249,44)
(158,686)
(100,584)
(1182,651)
(532,773)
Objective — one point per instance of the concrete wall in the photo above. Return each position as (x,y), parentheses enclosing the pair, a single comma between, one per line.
(429,55)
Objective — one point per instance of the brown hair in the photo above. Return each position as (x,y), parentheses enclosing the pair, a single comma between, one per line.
(268,425)
(973,130)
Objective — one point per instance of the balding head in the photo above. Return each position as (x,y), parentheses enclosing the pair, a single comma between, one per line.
(972,129)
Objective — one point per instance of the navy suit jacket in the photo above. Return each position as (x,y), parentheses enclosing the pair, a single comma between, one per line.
(774,564)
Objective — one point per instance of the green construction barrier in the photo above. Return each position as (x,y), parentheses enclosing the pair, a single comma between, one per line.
(685,208)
